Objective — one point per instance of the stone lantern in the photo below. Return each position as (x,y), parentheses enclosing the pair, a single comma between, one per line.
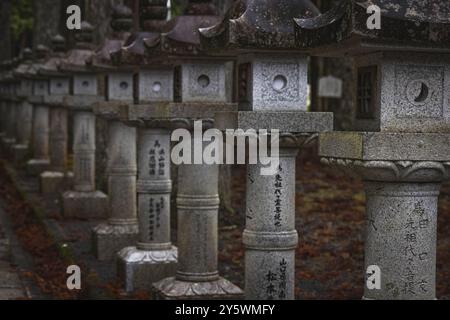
(272,94)
(40,158)
(84,201)
(153,257)
(25,111)
(400,143)
(121,230)
(202,86)
(57,178)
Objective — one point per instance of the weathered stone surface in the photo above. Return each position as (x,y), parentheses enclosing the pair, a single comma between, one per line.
(406,24)
(197,208)
(139,269)
(401,239)
(172,288)
(257,25)
(85,205)
(41,158)
(270,237)
(385,146)
(109,239)
(53,182)
(285,121)
(36,166)
(272,81)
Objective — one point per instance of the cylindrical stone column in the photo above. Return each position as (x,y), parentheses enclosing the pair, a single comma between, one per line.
(11,123)
(25,123)
(270,237)
(154,256)
(154,188)
(58,139)
(197,275)
(122,227)
(41,133)
(84,151)
(400,248)
(122,171)
(197,207)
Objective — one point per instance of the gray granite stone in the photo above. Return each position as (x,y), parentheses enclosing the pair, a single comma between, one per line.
(153,200)
(401,239)
(197,208)
(41,158)
(139,269)
(53,182)
(285,121)
(108,239)
(85,205)
(385,146)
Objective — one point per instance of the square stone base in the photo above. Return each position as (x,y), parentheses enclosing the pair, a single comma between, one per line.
(36,166)
(139,269)
(85,205)
(20,153)
(173,289)
(55,182)
(108,240)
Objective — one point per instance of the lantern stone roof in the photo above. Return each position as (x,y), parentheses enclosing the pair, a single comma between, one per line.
(50,66)
(184,37)
(121,23)
(22,69)
(153,22)
(252,25)
(405,24)
(75,59)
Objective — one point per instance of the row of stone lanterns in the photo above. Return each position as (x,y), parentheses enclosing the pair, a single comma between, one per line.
(174,73)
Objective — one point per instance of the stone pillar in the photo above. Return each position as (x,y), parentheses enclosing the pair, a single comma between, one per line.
(41,160)
(10,128)
(197,275)
(401,239)
(84,201)
(24,128)
(2,118)
(154,257)
(122,227)
(57,179)
(270,237)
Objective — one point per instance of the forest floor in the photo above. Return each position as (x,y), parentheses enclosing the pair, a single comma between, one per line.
(329,259)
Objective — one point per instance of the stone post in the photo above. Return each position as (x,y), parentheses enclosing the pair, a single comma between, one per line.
(121,230)
(154,257)
(202,87)
(198,202)
(84,201)
(270,237)
(25,113)
(272,95)
(399,146)
(40,141)
(57,179)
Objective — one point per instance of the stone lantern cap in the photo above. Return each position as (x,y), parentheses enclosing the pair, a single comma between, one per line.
(405,25)
(183,38)
(153,22)
(75,59)
(50,66)
(104,58)
(255,25)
